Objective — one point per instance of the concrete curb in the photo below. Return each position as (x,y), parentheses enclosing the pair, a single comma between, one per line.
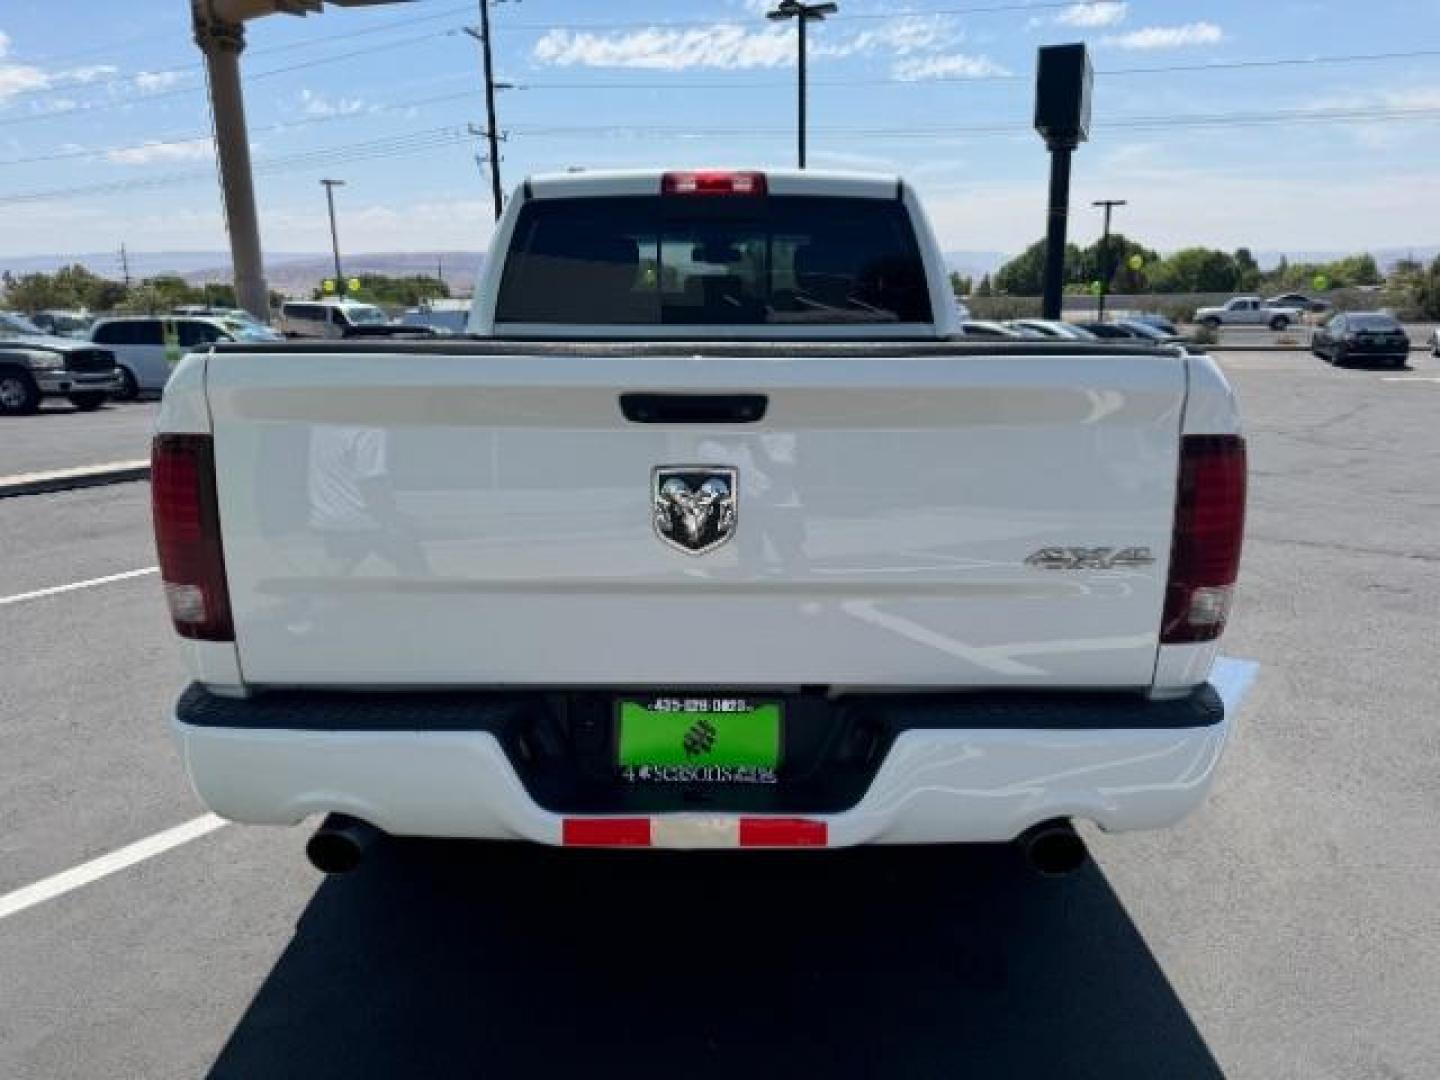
(113,472)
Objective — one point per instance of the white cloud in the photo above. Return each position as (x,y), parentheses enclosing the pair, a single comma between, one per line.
(27,78)
(732,46)
(150,153)
(955,65)
(1097,13)
(17,78)
(84,75)
(720,46)
(1168,37)
(149,81)
(902,37)
(317,105)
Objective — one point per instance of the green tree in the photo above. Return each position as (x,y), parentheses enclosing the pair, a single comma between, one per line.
(1197,269)
(960,284)
(1024,275)
(985,288)
(32,293)
(1247,270)
(406,291)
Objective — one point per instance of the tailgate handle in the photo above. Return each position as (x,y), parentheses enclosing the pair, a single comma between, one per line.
(693,408)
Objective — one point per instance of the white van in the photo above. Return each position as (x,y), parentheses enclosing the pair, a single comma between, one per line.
(147,347)
(327,318)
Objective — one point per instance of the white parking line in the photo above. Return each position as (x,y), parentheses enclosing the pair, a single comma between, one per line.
(1409,378)
(55,590)
(92,871)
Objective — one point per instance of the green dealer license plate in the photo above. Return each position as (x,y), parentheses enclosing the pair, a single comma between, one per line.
(683,740)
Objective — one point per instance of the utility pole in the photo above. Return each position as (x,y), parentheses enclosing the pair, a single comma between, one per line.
(125,266)
(330,186)
(482,35)
(1105,270)
(802,13)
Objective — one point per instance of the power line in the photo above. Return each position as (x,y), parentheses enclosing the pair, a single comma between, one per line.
(727,85)
(102,106)
(891,80)
(1376,113)
(439,138)
(365,150)
(284,125)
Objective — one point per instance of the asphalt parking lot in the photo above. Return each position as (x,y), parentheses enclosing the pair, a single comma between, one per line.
(61,437)
(1290,929)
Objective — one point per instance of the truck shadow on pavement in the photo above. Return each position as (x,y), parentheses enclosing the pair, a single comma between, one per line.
(447,959)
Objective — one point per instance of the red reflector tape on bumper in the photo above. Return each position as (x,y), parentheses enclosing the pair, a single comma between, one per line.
(680,832)
(607,832)
(782,832)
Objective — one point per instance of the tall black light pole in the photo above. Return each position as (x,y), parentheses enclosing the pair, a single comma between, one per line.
(1062,117)
(330,186)
(802,13)
(1105,271)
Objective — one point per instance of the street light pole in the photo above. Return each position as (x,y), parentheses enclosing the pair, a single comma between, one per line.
(802,13)
(330,186)
(1105,271)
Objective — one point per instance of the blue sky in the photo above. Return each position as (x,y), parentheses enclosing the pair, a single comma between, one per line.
(107,98)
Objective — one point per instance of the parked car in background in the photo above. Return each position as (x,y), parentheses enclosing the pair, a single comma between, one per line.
(984,328)
(445,315)
(1298,300)
(69,324)
(36,365)
(1055,329)
(1113,331)
(1248,311)
(147,347)
(1361,336)
(328,318)
(1158,321)
(1149,331)
(249,330)
(234,314)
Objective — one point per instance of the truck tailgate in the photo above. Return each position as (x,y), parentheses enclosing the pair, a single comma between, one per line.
(422,517)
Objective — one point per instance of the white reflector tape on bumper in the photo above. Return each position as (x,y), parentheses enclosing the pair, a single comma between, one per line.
(695,832)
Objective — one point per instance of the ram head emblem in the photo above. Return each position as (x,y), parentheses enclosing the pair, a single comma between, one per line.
(694,506)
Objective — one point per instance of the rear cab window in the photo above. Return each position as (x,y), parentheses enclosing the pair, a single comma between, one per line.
(656,260)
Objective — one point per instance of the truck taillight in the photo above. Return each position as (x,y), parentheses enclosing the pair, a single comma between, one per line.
(187,536)
(712,183)
(1209,525)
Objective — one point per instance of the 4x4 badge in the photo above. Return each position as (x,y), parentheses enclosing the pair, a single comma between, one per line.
(1083,558)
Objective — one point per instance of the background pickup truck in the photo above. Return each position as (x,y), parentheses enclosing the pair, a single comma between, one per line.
(1248,311)
(708,534)
(35,365)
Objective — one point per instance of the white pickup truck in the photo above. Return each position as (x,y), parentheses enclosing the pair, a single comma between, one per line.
(710,533)
(1249,311)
